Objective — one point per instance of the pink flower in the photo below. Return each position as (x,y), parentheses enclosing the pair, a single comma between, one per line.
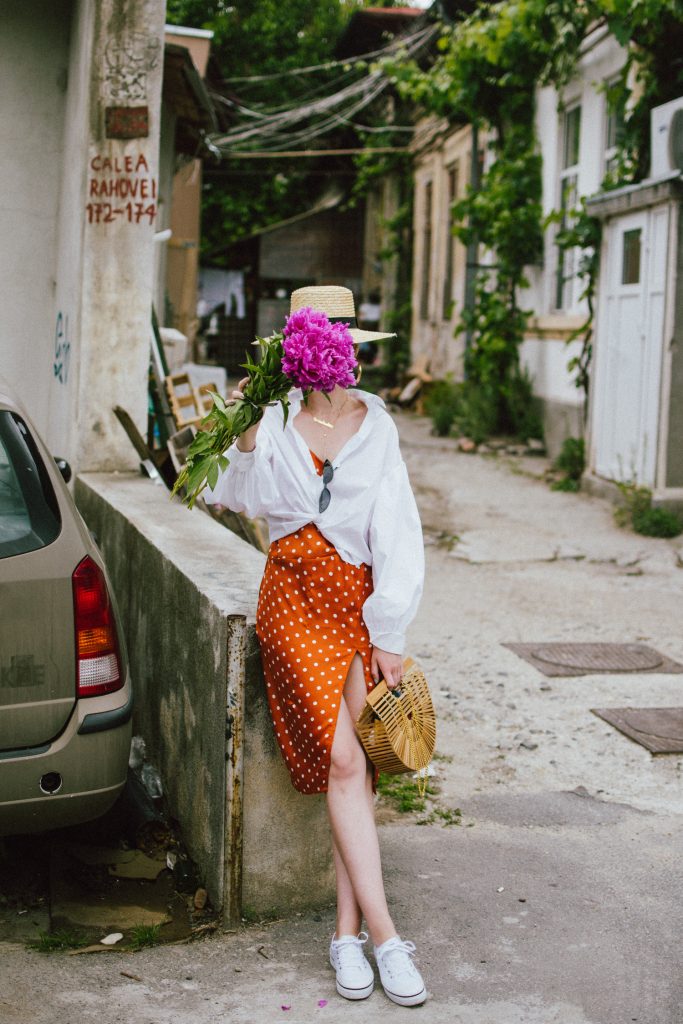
(316,353)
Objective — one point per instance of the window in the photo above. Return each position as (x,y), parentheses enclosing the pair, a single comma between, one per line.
(565,287)
(426,251)
(630,263)
(448,296)
(614,123)
(29,514)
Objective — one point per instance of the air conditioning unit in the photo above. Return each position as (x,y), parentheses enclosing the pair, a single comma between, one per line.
(666,138)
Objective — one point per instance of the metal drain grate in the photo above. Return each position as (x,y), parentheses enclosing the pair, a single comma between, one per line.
(659,730)
(563,659)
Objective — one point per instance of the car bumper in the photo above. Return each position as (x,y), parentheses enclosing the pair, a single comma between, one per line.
(91,759)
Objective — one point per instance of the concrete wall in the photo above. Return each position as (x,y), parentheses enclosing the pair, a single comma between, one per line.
(78,265)
(178,576)
(118,265)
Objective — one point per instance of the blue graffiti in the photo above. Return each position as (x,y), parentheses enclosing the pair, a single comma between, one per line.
(60,366)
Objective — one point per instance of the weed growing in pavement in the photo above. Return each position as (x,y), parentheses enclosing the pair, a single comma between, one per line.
(63,938)
(401,791)
(638,512)
(446,540)
(145,935)
(444,815)
(571,462)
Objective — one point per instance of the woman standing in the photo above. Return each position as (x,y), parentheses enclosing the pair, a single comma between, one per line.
(342,582)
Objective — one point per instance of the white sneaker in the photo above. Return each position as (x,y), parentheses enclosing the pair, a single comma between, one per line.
(400,977)
(355,979)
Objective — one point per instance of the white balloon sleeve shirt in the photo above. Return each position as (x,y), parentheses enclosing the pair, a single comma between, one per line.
(372,516)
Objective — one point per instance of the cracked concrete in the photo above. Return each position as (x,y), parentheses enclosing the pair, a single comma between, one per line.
(555,900)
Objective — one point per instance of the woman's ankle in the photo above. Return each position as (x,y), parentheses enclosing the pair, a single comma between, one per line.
(381,934)
(346,928)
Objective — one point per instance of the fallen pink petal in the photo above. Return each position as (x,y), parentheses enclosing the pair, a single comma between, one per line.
(322,1002)
(283,1007)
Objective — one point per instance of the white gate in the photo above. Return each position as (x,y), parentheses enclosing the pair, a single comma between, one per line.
(629,355)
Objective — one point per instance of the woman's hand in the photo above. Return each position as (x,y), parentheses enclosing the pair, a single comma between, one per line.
(238,392)
(246,442)
(388,665)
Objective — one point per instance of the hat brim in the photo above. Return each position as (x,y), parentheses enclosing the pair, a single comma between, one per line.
(358,335)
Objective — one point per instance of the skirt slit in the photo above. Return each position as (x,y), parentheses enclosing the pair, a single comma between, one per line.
(309,623)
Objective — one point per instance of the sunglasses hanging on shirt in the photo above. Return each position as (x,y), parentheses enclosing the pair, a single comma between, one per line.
(327,474)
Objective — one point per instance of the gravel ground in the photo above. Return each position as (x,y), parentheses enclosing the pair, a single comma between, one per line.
(528,564)
(555,900)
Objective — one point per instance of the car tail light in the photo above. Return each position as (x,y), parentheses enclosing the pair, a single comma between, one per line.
(98,664)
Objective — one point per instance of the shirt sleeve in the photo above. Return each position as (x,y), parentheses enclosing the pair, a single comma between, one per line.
(247,485)
(397,562)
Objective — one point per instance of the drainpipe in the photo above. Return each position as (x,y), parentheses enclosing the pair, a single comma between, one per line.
(234,770)
(473,247)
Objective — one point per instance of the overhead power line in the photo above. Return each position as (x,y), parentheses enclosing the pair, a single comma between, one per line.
(312,68)
(268,154)
(283,130)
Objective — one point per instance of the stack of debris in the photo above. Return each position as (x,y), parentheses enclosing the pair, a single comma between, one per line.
(412,392)
(177,407)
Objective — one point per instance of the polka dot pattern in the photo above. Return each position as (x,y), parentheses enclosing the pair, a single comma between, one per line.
(309,624)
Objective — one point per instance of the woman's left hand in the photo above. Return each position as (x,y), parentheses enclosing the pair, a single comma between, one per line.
(388,665)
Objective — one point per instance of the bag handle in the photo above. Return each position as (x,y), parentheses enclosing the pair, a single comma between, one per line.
(380,689)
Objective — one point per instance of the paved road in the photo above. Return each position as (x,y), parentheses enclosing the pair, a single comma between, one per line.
(556,900)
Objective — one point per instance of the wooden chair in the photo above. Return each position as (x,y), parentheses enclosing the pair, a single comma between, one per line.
(189,404)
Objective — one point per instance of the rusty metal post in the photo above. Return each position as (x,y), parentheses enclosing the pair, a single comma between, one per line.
(234,769)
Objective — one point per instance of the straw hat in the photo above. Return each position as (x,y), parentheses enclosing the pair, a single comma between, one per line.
(338,306)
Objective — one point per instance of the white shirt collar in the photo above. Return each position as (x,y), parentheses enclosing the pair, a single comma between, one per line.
(372,401)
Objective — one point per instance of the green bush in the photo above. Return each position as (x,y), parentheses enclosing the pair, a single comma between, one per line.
(572,458)
(657,522)
(566,483)
(441,405)
(478,411)
(521,409)
(638,512)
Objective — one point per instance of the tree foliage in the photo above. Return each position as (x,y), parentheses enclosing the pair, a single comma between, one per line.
(489,66)
(263,39)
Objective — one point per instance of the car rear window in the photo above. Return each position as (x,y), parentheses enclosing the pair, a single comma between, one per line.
(29,513)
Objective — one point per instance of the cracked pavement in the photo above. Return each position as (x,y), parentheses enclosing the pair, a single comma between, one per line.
(555,901)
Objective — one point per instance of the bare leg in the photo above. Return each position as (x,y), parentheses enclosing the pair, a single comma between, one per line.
(349,914)
(360,887)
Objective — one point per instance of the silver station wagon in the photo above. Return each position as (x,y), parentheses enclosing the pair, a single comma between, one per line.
(65,692)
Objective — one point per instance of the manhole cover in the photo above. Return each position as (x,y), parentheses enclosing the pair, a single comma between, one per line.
(664,724)
(600,657)
(567,659)
(659,730)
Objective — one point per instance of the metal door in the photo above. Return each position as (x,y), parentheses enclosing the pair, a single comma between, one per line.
(629,346)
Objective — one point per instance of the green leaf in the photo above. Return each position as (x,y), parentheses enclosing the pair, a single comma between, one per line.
(212,475)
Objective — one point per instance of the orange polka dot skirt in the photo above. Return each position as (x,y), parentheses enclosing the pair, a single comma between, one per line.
(309,624)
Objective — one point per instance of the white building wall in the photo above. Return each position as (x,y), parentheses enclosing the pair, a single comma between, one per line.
(545,353)
(34,61)
(434,335)
(65,323)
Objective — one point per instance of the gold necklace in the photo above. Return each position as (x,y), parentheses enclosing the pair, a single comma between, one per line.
(324,423)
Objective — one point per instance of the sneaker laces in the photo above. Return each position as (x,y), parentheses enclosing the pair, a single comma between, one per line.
(349,950)
(396,959)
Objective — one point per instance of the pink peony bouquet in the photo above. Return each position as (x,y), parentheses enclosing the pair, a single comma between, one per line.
(317,355)
(310,353)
